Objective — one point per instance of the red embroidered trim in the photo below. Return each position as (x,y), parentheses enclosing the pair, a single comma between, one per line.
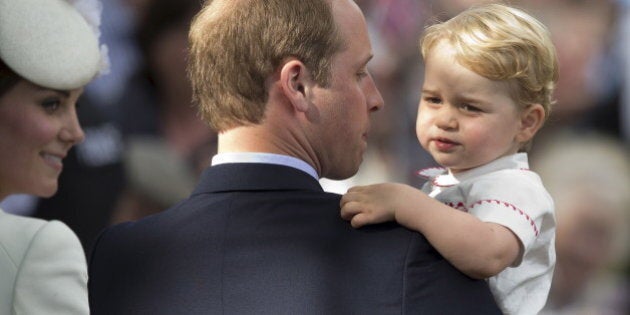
(459,206)
(462,207)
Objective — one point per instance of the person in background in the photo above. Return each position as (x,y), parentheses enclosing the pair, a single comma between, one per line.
(489,78)
(588,91)
(49,50)
(286,86)
(589,179)
(163,135)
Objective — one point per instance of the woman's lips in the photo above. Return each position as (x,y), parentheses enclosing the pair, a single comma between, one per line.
(53,160)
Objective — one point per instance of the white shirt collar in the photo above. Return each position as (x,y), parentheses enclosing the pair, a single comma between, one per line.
(439,178)
(265,158)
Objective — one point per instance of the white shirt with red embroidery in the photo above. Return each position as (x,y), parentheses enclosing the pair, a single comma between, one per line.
(506,192)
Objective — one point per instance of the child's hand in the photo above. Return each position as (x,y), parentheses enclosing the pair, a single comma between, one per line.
(363,205)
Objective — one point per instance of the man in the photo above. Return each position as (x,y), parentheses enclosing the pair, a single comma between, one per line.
(285,84)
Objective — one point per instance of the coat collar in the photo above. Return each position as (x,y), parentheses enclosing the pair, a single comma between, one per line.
(266,158)
(254,177)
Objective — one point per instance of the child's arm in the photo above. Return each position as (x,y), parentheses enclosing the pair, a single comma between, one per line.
(478,249)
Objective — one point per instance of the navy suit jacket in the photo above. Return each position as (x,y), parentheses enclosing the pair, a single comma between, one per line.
(266,239)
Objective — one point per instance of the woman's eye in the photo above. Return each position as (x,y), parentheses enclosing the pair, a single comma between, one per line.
(51,104)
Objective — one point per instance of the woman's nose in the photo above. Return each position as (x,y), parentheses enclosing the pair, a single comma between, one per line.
(72,131)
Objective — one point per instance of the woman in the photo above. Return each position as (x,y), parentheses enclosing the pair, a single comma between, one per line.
(48,52)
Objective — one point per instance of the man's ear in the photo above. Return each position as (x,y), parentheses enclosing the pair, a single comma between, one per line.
(532,118)
(294,79)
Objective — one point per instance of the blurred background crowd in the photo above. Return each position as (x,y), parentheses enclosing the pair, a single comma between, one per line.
(145,145)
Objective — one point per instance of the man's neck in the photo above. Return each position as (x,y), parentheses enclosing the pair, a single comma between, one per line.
(261,140)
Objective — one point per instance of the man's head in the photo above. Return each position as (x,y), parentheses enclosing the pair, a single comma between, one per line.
(236,45)
(287,77)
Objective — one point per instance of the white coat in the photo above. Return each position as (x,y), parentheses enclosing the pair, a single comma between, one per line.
(42,268)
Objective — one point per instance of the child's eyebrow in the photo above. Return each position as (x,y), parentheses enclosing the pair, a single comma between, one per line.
(472,99)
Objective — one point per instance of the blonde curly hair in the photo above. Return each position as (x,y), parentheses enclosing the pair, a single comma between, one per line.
(502,43)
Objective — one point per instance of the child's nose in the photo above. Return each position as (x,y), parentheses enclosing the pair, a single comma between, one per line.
(446,119)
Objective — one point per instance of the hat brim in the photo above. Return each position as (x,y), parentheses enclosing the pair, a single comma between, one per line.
(48,43)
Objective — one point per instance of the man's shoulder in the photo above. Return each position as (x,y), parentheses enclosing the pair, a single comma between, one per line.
(284,246)
(212,211)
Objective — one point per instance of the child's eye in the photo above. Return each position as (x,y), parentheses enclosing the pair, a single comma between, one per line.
(433,100)
(469,108)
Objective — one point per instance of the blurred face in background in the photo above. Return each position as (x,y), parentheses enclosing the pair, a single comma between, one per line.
(38,126)
(584,239)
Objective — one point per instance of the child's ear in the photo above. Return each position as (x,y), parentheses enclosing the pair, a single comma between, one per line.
(294,78)
(532,118)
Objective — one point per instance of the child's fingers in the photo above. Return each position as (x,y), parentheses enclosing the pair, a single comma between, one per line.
(351,196)
(349,210)
(362,219)
(356,188)
(345,199)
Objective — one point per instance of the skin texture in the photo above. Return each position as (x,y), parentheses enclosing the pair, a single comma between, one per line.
(464,121)
(340,137)
(326,126)
(37,128)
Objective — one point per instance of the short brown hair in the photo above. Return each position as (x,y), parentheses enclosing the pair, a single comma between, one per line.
(236,45)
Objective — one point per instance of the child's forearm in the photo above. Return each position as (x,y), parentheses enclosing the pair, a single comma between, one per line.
(478,249)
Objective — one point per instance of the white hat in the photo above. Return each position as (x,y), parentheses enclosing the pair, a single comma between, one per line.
(49,43)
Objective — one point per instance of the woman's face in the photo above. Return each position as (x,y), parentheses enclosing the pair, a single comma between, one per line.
(37,128)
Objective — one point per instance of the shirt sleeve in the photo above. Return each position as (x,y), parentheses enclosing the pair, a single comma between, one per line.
(52,278)
(515,199)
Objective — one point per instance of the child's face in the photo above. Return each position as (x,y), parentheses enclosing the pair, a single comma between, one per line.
(465,120)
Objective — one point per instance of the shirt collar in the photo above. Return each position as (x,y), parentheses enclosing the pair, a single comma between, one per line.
(444,178)
(266,158)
